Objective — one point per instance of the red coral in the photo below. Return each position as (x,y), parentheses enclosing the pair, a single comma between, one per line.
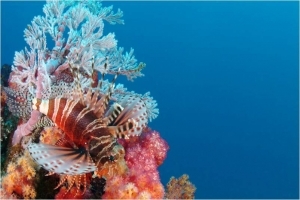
(143,155)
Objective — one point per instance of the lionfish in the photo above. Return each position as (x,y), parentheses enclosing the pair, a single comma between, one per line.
(91,128)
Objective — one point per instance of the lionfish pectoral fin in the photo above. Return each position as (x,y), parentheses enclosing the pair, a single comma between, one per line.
(61,181)
(49,173)
(124,130)
(62,160)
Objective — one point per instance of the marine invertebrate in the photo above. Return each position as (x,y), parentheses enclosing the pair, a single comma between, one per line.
(143,155)
(180,188)
(20,177)
(8,121)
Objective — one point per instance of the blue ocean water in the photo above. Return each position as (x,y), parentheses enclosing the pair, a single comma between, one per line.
(226,78)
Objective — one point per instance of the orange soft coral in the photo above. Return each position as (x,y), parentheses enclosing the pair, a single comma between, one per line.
(20,178)
(143,155)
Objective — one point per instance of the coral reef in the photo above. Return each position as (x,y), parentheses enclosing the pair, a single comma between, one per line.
(143,155)
(8,125)
(80,136)
(5,71)
(8,121)
(20,178)
(180,188)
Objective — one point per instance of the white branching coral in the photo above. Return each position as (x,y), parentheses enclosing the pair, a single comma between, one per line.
(76,27)
(77,30)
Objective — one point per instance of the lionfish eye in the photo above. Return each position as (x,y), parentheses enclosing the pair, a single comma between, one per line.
(111,158)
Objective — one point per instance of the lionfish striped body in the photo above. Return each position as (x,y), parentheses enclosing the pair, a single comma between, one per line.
(72,117)
(78,122)
(91,131)
(86,131)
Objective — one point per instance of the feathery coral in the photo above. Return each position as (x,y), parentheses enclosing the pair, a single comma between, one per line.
(43,73)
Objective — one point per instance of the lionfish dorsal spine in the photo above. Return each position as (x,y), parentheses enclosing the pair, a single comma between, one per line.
(113,113)
(78,92)
(107,97)
(103,73)
(123,130)
(99,106)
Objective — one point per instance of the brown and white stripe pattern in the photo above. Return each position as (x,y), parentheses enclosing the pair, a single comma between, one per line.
(76,120)
(90,127)
(91,135)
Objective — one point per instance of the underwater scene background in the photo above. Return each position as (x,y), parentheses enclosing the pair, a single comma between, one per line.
(226,79)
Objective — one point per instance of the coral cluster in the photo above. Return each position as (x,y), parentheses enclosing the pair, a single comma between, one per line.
(180,188)
(143,156)
(77,31)
(20,178)
(88,133)
(8,121)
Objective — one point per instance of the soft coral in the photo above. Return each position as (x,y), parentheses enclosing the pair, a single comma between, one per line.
(143,155)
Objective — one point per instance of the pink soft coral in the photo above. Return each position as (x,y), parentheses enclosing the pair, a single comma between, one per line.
(143,155)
